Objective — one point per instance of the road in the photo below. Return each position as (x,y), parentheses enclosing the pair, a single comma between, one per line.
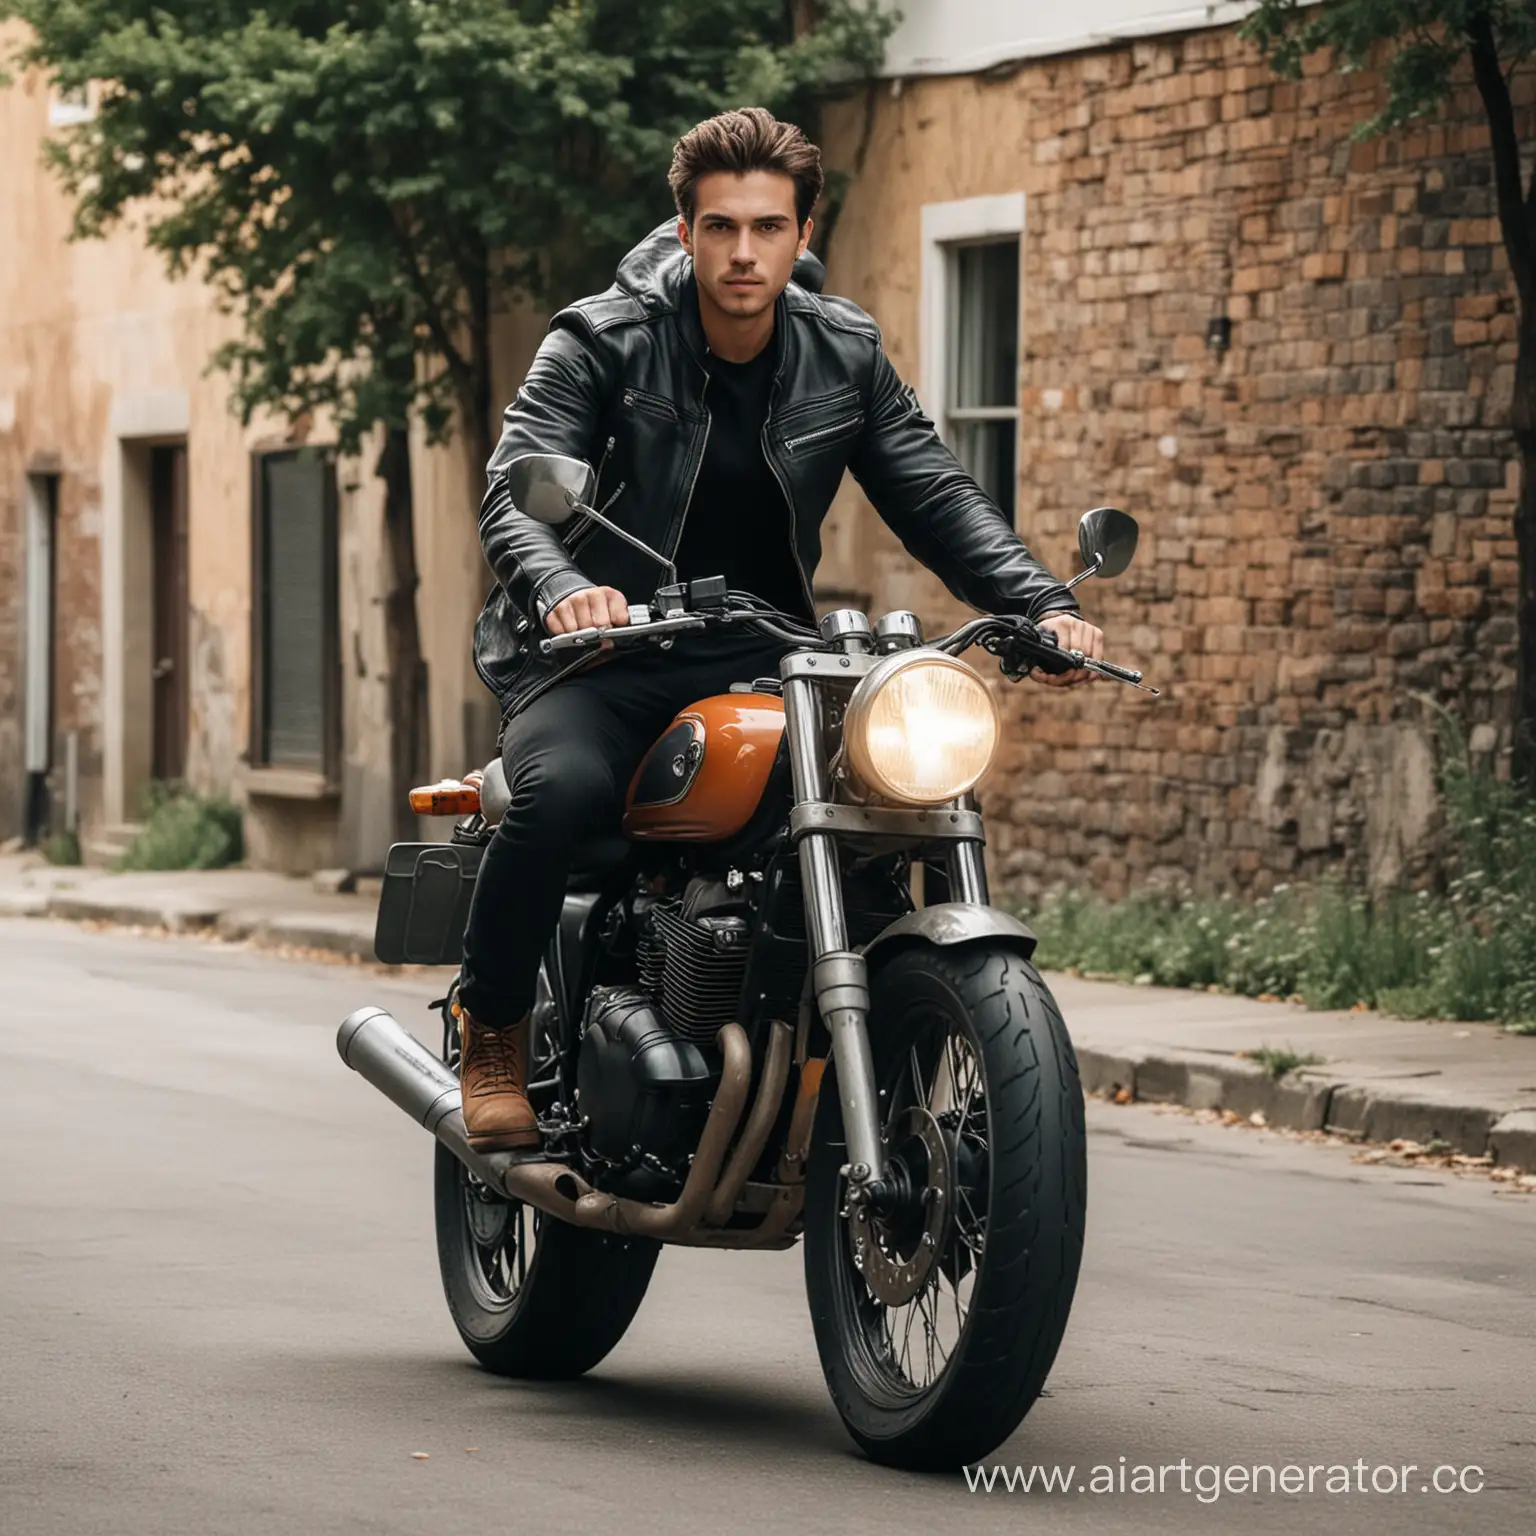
(219,1311)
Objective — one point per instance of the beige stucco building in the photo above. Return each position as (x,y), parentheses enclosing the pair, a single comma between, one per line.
(180,597)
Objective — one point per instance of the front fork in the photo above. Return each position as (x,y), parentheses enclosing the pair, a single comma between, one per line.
(839,976)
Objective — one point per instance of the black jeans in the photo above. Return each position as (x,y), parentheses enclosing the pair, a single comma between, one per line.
(569,758)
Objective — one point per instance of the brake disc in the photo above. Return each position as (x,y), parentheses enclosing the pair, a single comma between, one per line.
(896,1253)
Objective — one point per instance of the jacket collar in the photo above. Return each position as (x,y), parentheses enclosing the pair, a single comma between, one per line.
(658,275)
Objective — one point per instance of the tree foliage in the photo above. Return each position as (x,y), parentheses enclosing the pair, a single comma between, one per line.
(364,181)
(1426,43)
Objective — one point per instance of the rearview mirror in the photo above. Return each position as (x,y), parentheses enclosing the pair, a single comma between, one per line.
(1106,539)
(548,487)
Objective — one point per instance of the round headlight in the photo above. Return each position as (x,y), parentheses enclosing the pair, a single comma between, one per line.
(921,727)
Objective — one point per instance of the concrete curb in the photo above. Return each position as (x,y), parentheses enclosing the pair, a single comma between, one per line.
(338,936)
(176,917)
(1307,1100)
(313,932)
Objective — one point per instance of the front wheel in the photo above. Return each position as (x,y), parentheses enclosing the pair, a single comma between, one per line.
(938,1317)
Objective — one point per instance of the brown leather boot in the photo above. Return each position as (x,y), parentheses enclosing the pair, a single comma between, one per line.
(493,1079)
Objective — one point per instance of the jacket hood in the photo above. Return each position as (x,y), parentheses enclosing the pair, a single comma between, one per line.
(655,270)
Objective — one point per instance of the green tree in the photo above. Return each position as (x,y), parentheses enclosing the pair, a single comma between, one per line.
(1428,49)
(365,182)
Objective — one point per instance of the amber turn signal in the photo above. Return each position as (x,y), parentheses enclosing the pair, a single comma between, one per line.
(448,797)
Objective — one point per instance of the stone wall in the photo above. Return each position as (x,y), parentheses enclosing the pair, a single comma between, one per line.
(1326,507)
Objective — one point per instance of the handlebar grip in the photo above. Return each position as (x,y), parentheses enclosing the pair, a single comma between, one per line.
(1050,657)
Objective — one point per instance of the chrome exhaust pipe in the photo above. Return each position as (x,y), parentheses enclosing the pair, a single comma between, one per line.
(374,1044)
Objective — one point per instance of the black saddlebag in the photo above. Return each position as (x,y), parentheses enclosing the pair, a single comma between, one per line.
(425,903)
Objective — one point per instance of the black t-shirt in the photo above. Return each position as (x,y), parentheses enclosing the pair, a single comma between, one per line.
(738,523)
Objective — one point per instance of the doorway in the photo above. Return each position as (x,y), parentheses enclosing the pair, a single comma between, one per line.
(168,524)
(41,580)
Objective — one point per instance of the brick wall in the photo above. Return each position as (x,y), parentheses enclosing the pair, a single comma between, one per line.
(1326,507)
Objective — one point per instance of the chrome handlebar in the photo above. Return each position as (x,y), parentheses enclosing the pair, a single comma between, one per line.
(1018,644)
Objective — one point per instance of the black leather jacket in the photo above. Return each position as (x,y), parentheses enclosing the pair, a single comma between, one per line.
(619,381)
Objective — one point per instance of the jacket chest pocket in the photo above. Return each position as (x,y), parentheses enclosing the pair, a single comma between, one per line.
(814,426)
(641,402)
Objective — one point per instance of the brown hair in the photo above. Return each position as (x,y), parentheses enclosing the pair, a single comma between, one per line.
(748,139)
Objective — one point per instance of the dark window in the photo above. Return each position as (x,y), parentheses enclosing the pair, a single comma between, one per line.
(295,688)
(982,411)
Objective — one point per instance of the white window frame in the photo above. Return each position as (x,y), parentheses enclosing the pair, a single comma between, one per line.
(968,221)
(67,108)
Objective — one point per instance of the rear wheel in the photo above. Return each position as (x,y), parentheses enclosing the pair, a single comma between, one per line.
(530,1295)
(938,1316)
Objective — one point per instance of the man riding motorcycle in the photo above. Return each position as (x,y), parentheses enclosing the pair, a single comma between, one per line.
(720,397)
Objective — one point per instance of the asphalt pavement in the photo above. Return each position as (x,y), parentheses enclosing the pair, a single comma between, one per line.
(219,1312)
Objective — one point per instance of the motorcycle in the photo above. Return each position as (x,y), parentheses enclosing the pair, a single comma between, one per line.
(779,1010)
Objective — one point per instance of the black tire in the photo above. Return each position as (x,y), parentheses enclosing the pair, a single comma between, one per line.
(577,1293)
(530,1295)
(1029,1164)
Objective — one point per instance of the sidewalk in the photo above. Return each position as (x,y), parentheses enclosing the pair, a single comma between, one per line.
(1471,1087)
(249,905)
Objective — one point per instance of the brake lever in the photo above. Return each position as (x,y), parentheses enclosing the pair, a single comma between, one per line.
(1014,655)
(660,631)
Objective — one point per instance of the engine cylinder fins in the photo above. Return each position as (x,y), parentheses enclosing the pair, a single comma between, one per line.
(696,968)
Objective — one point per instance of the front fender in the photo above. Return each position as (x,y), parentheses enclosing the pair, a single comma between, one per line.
(949,923)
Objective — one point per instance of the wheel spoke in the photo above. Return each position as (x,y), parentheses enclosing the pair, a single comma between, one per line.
(939,1077)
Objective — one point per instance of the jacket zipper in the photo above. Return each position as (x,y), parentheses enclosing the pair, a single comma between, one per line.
(792,443)
(584,533)
(693,483)
(794,543)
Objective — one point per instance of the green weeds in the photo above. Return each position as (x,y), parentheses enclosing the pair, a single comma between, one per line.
(185,830)
(1466,951)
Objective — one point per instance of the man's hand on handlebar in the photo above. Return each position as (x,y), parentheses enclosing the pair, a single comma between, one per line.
(1071,634)
(591,608)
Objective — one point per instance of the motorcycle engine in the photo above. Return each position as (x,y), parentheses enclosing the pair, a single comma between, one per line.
(644,1083)
(692,956)
(643,1092)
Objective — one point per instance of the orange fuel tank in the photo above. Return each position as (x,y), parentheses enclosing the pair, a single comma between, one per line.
(704,778)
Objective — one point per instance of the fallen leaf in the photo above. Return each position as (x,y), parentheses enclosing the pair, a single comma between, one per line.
(1122,1096)
(1361,1007)
(419,1455)
(471,1449)
(1267,997)
(1230,1117)
(1258,1117)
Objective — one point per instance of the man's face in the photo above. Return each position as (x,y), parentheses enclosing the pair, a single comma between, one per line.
(744,240)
